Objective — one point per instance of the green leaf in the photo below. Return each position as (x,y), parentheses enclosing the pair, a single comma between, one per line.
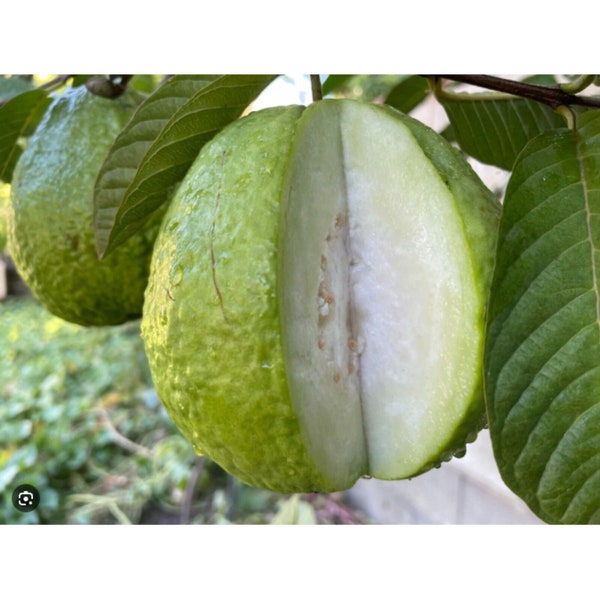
(334,82)
(13,85)
(494,128)
(547,80)
(79,80)
(408,94)
(146,83)
(157,147)
(542,356)
(129,149)
(18,118)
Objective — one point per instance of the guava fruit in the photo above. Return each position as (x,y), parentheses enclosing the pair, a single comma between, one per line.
(50,229)
(315,306)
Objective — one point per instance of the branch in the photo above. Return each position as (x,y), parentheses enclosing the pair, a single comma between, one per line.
(551,96)
(317,90)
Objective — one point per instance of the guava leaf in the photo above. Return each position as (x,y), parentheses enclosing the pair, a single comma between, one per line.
(494,128)
(18,118)
(12,86)
(79,80)
(542,359)
(157,147)
(408,94)
(334,82)
(129,149)
(544,79)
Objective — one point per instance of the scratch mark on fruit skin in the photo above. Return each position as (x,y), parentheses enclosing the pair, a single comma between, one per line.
(212,239)
(169,294)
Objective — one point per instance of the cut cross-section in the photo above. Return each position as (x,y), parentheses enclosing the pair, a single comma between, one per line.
(380,306)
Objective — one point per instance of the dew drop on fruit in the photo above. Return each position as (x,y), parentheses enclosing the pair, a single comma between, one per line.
(460,452)
(471,437)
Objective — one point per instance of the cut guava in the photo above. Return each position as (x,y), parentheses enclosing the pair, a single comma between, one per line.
(381,315)
(315,308)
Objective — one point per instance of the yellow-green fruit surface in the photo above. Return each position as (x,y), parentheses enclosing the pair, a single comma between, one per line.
(50,229)
(315,307)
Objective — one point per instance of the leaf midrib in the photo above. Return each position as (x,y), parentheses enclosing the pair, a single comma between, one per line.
(588,216)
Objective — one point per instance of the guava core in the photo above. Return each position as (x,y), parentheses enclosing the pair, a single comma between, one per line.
(50,219)
(315,308)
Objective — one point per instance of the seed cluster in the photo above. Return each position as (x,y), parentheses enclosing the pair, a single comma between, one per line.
(334,294)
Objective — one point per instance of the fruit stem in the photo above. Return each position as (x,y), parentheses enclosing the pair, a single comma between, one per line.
(317,89)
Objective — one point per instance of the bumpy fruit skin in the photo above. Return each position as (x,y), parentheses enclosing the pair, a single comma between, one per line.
(212,314)
(50,231)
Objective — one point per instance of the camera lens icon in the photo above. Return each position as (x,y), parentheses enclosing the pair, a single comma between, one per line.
(25,498)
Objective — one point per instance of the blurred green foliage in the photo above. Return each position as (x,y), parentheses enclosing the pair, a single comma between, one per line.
(59,383)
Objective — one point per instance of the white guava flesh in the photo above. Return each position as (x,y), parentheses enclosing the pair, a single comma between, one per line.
(381,315)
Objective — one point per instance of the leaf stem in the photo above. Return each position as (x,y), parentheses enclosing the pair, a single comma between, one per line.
(317,89)
(578,84)
(551,96)
(569,116)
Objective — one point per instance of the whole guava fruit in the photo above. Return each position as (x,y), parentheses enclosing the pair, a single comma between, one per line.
(50,220)
(315,307)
